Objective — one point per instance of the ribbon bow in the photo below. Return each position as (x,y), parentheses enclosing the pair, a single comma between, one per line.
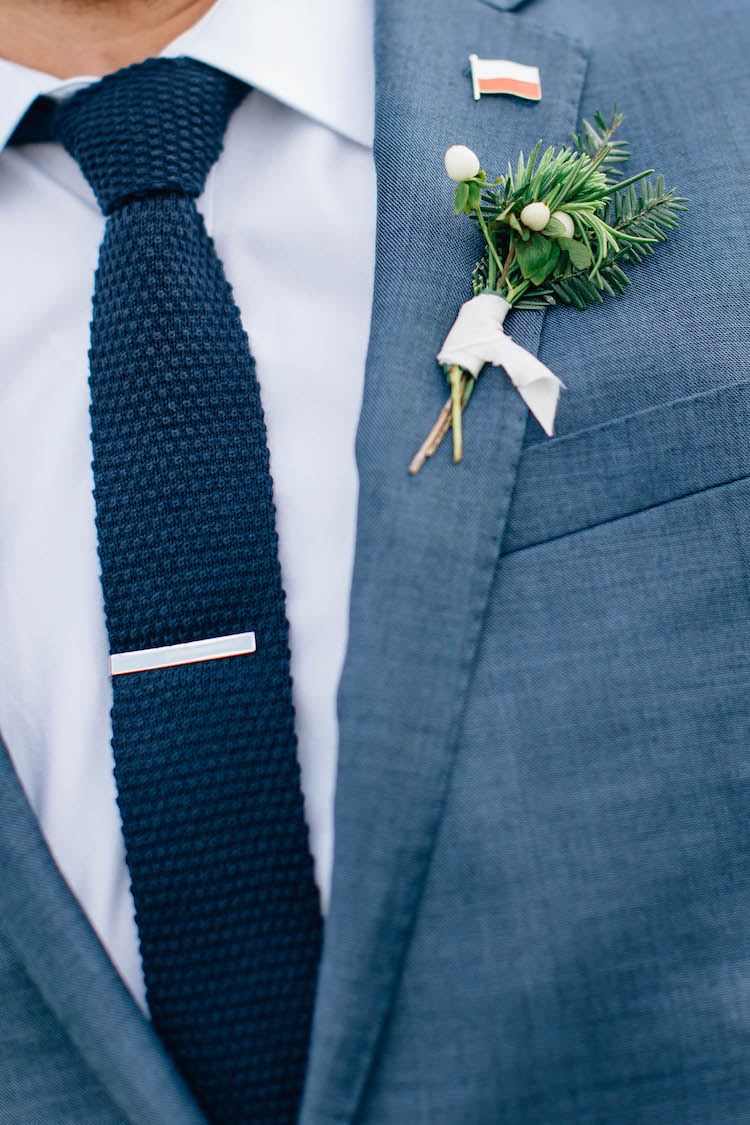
(477,337)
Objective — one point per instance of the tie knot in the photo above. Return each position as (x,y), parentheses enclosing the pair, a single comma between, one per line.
(154,127)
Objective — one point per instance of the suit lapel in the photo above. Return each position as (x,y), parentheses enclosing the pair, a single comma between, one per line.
(426,546)
(61,955)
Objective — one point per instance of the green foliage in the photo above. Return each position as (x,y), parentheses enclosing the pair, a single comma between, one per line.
(654,210)
(554,229)
(461,197)
(594,137)
(537,258)
(580,255)
(609,219)
(612,220)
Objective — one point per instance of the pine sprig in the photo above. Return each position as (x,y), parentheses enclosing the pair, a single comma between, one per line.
(650,214)
(591,219)
(591,140)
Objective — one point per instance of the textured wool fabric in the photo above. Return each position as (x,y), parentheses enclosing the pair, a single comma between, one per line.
(205,762)
(73,1047)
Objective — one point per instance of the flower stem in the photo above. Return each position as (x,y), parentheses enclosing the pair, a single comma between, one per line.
(515,292)
(456,380)
(443,423)
(506,265)
(491,273)
(488,237)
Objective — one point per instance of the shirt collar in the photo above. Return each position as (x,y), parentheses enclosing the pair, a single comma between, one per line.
(316,58)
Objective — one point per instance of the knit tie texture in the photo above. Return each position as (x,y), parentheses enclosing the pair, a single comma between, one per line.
(205,753)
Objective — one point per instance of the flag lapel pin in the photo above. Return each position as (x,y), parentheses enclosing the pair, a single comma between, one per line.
(501,76)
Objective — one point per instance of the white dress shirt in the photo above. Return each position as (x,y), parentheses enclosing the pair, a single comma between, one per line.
(291,207)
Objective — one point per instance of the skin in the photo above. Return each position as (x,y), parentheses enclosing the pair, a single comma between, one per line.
(66,38)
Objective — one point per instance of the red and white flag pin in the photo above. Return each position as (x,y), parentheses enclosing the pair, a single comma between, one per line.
(501,76)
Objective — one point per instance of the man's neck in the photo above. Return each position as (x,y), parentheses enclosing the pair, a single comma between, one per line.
(69,37)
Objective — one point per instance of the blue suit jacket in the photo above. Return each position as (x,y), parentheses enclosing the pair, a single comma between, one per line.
(541,895)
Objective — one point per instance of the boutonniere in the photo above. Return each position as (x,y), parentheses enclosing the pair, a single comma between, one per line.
(556,228)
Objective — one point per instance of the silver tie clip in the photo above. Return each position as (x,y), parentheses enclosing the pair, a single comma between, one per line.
(215,648)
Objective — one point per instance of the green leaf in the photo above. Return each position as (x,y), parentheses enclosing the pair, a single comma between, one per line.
(542,274)
(517,226)
(589,290)
(475,197)
(529,171)
(580,255)
(554,229)
(592,140)
(533,255)
(462,194)
(569,293)
(537,258)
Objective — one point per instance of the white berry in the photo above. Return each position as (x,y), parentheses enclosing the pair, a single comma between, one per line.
(535,216)
(564,218)
(461,163)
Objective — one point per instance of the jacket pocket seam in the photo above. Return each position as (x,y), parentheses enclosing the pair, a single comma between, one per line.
(625,515)
(538,448)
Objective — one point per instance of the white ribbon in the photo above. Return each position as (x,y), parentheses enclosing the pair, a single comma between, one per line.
(477,338)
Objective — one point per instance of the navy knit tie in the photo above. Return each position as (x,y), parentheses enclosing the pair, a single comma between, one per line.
(205,753)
